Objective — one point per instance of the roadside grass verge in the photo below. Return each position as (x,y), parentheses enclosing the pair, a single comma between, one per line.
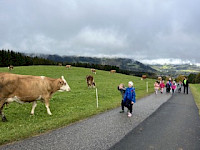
(195,88)
(66,107)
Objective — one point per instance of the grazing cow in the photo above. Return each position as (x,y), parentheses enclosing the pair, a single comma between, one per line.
(90,81)
(68,66)
(59,64)
(112,71)
(144,77)
(11,67)
(27,88)
(93,71)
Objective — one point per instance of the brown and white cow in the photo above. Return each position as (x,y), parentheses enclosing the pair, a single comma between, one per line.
(93,71)
(10,67)
(59,64)
(90,81)
(27,88)
(68,66)
(112,71)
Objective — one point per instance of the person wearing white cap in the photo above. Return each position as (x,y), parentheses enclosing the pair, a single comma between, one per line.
(129,98)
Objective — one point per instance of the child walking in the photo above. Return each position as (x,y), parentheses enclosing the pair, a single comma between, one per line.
(122,90)
(162,85)
(168,87)
(156,87)
(179,86)
(173,87)
(129,98)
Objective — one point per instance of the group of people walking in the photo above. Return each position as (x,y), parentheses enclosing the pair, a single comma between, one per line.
(129,95)
(171,86)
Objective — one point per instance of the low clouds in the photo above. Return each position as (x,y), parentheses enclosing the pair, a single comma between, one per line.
(139,29)
(103,41)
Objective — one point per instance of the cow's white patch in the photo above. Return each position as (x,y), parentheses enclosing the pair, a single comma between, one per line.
(14,99)
(39,98)
(64,87)
(42,77)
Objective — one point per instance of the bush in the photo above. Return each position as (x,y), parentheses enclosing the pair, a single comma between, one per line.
(197,79)
(192,78)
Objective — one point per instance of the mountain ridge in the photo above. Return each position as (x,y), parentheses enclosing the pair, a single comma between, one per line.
(122,63)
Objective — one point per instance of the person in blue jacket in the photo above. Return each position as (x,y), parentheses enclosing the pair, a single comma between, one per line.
(129,98)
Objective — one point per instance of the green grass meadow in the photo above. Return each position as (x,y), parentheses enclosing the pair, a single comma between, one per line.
(195,88)
(66,107)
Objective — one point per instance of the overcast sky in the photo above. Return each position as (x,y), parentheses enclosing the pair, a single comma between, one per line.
(146,30)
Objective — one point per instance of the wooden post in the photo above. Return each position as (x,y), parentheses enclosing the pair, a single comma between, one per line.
(147,87)
(97,98)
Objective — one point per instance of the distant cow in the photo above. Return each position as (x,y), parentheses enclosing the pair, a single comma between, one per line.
(144,77)
(93,71)
(11,67)
(27,88)
(68,66)
(59,64)
(90,81)
(160,78)
(112,71)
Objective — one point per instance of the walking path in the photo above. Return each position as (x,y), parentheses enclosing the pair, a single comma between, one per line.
(174,126)
(99,132)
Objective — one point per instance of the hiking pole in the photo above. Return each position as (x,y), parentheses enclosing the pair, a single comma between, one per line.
(97,98)
(147,87)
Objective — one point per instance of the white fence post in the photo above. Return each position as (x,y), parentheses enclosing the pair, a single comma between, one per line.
(97,98)
(147,87)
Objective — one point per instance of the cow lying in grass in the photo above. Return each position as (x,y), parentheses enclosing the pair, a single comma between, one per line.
(27,88)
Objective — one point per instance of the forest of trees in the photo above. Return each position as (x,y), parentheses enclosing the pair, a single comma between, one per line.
(9,57)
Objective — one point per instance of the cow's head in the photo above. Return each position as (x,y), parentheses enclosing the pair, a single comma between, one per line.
(63,85)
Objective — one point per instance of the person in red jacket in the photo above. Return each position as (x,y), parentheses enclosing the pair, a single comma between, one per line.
(162,85)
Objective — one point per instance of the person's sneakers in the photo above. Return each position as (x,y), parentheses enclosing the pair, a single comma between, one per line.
(122,111)
(129,115)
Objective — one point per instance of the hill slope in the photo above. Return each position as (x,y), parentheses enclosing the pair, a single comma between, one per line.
(66,107)
(122,63)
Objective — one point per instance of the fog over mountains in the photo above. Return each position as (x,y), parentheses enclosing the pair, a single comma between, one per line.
(122,63)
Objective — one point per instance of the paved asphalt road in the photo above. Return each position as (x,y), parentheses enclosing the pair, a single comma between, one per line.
(174,126)
(97,133)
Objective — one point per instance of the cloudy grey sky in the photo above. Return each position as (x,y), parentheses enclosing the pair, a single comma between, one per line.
(146,30)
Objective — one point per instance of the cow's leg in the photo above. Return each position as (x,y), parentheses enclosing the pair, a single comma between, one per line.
(33,107)
(47,106)
(2,103)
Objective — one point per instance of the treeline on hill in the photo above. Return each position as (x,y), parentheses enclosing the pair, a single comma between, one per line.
(194,78)
(109,67)
(8,58)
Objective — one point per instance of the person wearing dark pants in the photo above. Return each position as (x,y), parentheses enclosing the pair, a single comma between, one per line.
(129,98)
(122,90)
(185,85)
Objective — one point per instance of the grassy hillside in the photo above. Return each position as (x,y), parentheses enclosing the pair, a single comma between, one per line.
(195,88)
(66,107)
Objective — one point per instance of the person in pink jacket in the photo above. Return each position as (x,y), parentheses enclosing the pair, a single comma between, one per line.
(156,87)
(162,85)
(173,87)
